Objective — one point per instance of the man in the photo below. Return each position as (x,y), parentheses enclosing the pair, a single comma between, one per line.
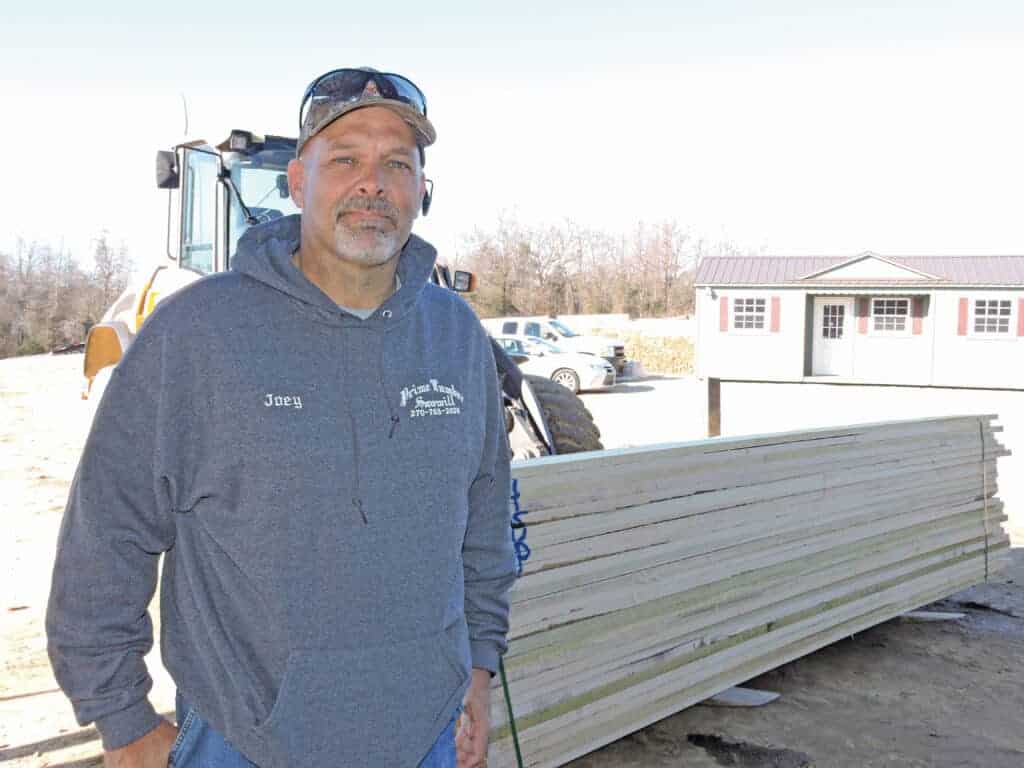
(315,441)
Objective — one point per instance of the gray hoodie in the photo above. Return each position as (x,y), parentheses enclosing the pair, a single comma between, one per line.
(332,498)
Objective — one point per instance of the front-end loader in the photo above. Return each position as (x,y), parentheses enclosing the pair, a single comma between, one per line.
(215,193)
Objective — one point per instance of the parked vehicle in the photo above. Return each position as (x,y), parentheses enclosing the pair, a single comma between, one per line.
(554,330)
(572,370)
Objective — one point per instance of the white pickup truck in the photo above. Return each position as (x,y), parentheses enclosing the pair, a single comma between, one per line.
(552,329)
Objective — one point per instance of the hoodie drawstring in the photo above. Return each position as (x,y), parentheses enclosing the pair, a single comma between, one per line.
(395,419)
(357,500)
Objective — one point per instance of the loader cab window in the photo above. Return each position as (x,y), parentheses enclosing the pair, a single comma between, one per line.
(262,181)
(199,230)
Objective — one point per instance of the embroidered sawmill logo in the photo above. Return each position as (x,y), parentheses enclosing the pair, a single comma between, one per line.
(431,399)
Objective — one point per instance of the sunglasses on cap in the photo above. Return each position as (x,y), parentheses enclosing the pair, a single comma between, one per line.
(348,86)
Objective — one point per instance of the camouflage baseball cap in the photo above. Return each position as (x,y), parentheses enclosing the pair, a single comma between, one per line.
(340,91)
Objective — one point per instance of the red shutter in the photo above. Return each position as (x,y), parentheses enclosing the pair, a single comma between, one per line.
(863,309)
(961,322)
(775,314)
(917,312)
(1020,317)
(723,314)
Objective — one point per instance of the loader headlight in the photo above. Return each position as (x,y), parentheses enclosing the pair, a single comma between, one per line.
(240,141)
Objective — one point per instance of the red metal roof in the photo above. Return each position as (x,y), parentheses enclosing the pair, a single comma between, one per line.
(775,270)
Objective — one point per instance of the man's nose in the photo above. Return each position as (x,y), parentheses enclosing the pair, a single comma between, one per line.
(372,181)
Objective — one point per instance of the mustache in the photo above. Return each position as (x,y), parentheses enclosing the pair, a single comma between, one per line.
(374,204)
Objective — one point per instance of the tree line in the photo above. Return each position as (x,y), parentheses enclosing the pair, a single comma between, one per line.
(48,300)
(572,269)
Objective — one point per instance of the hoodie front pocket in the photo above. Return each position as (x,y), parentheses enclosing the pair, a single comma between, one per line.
(372,706)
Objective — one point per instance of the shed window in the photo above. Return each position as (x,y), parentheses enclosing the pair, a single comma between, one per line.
(832,321)
(992,315)
(890,315)
(748,314)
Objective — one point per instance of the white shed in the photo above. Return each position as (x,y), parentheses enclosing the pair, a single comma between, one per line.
(945,321)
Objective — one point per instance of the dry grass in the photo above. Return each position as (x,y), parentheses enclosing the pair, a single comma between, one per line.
(658,354)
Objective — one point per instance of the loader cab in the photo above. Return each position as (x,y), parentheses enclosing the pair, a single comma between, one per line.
(214,195)
(217,193)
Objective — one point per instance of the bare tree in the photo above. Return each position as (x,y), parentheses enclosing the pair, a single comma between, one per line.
(110,274)
(47,300)
(570,268)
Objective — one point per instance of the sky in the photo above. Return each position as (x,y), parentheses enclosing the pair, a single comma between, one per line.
(781,127)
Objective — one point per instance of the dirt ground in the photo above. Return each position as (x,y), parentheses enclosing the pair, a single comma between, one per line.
(902,694)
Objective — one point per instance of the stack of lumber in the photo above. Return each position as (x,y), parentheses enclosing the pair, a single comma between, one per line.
(661,576)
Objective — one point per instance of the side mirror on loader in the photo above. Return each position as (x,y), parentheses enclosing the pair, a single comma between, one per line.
(167,170)
(464,282)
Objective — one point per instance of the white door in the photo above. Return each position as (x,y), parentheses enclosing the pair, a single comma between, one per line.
(832,353)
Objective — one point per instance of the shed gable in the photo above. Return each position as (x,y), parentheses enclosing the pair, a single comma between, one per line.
(867,268)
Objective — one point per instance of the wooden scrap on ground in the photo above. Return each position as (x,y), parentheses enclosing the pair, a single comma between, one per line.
(929,616)
(738,696)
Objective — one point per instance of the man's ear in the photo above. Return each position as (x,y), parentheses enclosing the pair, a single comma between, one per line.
(296,180)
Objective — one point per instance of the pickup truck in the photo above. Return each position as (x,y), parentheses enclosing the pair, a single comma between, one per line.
(573,370)
(554,330)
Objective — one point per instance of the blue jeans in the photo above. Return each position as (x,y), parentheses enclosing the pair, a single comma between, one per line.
(200,746)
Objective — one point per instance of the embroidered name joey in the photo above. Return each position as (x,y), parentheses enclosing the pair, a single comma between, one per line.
(283,401)
(431,399)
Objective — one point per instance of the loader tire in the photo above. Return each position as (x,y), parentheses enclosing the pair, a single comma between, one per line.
(571,425)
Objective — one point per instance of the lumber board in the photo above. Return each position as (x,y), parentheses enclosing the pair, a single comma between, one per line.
(641,576)
(640,649)
(662,576)
(669,521)
(683,456)
(596,491)
(881,431)
(590,732)
(951,485)
(742,593)
(638,590)
(644,549)
(573,530)
(687,467)
(594,648)
(924,598)
(770,645)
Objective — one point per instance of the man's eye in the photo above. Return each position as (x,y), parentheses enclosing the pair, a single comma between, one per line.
(401,165)
(343,160)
